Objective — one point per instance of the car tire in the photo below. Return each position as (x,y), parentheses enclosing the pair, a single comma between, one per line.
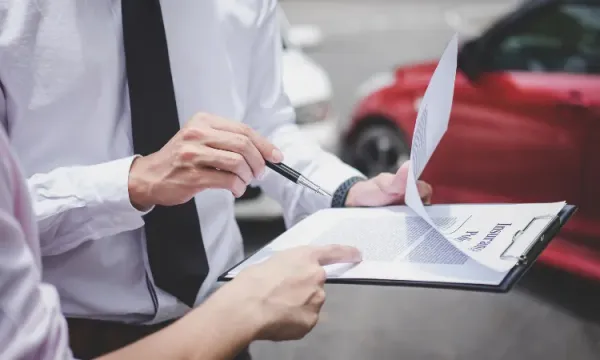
(376,145)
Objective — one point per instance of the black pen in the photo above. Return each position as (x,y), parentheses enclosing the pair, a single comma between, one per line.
(296,177)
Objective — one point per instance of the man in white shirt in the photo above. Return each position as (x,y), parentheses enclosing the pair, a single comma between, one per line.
(279,299)
(133,242)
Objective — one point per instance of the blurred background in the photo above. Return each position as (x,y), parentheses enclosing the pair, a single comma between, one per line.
(525,127)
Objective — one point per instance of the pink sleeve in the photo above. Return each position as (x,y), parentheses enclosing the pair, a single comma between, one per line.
(31,323)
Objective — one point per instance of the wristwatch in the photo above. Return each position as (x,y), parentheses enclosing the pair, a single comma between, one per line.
(341,193)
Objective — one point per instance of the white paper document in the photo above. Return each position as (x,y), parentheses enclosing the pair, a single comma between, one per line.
(398,244)
(462,243)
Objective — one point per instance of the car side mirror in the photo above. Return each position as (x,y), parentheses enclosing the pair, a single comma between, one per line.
(470,59)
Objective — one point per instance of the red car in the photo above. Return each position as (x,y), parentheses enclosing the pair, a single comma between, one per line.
(525,123)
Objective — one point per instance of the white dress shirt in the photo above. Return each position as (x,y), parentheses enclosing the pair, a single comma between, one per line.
(66,109)
(31,325)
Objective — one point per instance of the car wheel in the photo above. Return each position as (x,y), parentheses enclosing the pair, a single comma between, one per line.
(377,148)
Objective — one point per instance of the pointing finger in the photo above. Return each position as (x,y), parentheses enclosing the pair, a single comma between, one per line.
(400,179)
(337,254)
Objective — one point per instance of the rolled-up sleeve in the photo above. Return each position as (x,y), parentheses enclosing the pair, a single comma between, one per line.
(271,113)
(83,203)
(31,323)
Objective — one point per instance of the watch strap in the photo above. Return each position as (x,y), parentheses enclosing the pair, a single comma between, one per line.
(341,193)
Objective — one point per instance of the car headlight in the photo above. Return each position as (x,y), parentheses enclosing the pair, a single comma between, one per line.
(312,113)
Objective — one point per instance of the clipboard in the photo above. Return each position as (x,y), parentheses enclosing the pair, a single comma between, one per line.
(525,261)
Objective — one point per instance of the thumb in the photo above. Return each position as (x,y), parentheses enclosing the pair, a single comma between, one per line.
(336,254)
(399,183)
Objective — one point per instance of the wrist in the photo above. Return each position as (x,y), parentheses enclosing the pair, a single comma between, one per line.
(234,306)
(248,308)
(138,186)
(351,198)
(218,329)
(343,197)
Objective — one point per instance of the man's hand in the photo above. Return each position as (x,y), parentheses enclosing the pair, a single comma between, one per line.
(208,152)
(285,293)
(385,189)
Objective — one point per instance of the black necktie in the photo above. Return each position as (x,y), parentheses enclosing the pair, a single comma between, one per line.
(175,249)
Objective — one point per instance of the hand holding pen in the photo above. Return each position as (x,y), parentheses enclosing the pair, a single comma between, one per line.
(208,152)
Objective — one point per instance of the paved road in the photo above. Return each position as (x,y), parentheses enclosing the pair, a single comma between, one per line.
(551,316)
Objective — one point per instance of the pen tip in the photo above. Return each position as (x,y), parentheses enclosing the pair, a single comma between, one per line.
(323,192)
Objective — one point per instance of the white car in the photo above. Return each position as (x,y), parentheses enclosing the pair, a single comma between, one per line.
(309,89)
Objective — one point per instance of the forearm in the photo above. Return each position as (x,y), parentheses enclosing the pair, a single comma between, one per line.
(218,329)
(81,203)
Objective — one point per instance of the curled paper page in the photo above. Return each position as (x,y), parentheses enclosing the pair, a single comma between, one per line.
(431,124)
(487,243)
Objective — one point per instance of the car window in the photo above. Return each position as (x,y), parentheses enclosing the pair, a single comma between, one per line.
(564,38)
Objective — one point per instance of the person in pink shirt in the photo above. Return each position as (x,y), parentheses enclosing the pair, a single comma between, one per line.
(279,299)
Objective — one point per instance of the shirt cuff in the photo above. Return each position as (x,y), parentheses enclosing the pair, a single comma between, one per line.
(111,187)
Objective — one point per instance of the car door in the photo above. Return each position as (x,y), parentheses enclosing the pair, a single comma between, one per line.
(560,45)
(583,96)
(517,132)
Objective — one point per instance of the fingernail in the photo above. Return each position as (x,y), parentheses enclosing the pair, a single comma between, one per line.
(239,190)
(277,156)
(261,175)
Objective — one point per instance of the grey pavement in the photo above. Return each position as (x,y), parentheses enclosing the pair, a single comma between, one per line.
(550,316)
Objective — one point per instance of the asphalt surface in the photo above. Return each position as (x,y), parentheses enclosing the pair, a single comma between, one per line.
(550,315)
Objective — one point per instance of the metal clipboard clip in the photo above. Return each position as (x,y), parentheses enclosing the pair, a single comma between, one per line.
(539,238)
